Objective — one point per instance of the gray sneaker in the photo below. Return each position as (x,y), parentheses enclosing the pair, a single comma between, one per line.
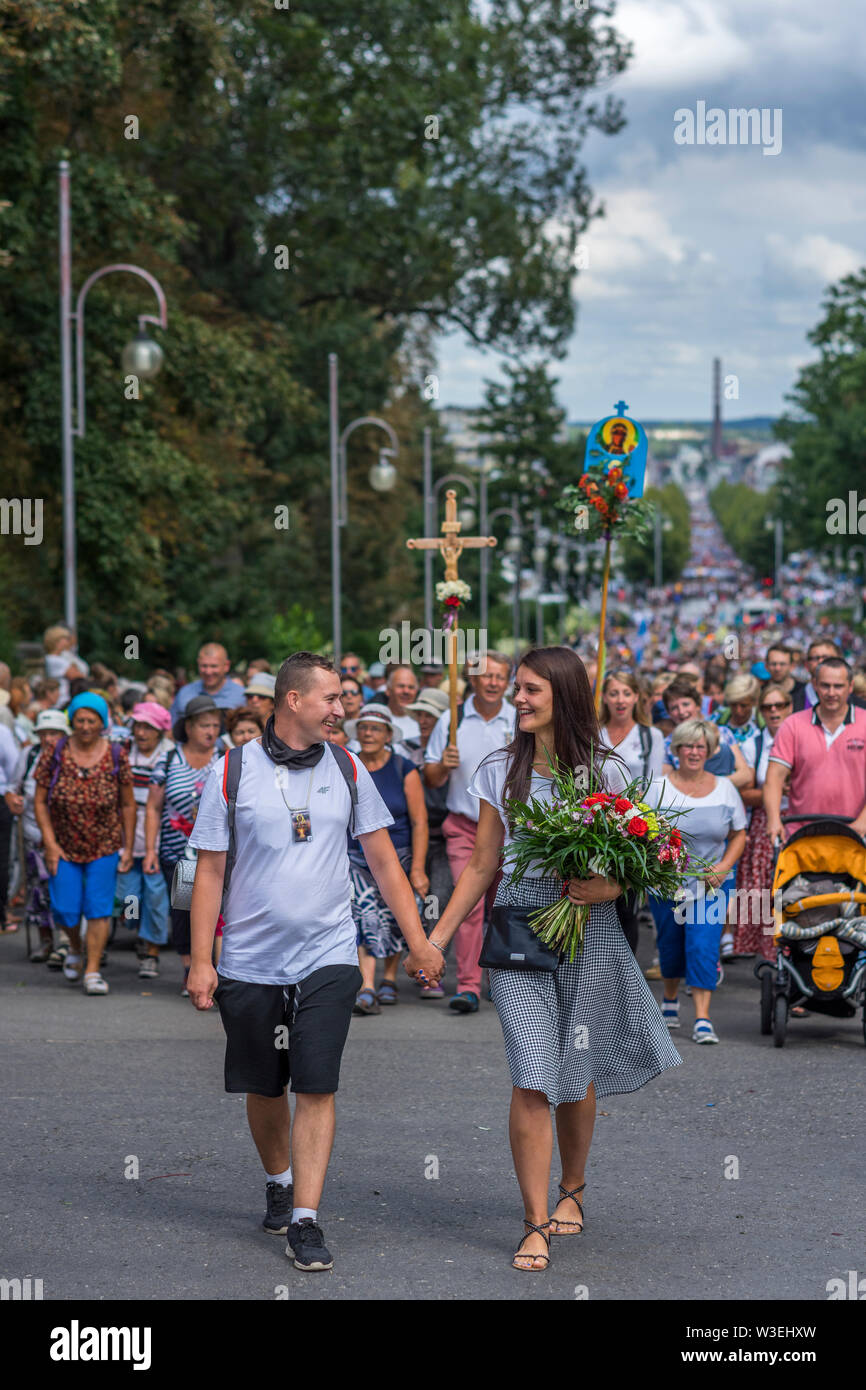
(149,968)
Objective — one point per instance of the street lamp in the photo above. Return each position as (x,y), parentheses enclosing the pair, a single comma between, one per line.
(142,357)
(382,476)
(539,556)
(514,547)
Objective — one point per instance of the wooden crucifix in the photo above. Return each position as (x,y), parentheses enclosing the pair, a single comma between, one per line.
(451,546)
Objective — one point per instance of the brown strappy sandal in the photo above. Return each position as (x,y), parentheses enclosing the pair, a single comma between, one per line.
(559,1222)
(529,1269)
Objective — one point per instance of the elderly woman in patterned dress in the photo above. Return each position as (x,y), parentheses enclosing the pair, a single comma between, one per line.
(591,1027)
(755,870)
(398,782)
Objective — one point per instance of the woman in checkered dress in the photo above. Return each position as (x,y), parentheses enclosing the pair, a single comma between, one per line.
(591,1028)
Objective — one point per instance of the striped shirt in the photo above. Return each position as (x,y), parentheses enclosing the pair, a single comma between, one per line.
(142,767)
(183,788)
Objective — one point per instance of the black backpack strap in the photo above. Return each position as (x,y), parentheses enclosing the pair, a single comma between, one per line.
(759,748)
(349,768)
(231,781)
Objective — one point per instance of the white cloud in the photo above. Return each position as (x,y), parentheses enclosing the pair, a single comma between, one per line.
(678,42)
(816,255)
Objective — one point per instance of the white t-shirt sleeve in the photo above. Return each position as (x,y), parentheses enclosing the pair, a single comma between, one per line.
(488,781)
(211,829)
(371,813)
(438,740)
(738,811)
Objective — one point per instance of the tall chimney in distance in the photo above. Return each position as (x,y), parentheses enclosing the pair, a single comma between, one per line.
(717,409)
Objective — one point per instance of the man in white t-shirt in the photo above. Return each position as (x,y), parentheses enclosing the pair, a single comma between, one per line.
(288,973)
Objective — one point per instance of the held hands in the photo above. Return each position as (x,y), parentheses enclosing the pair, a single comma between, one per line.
(201,983)
(425,958)
(595,889)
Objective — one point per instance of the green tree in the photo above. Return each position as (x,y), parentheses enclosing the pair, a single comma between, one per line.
(337,178)
(638,558)
(826,427)
(742,514)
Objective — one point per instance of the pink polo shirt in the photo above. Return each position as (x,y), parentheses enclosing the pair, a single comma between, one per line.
(829,780)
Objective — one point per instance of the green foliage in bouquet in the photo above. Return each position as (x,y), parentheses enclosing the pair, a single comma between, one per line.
(584,831)
(601,506)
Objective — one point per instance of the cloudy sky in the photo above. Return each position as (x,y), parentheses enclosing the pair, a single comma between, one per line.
(711,249)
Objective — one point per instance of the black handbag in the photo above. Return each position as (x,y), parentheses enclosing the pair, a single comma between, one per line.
(511,944)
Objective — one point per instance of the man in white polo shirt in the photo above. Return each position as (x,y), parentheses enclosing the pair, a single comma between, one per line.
(288,973)
(487,723)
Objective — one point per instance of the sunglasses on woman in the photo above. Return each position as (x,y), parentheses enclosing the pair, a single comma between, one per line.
(768,709)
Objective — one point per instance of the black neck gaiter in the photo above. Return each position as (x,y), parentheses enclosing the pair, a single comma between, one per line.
(281,753)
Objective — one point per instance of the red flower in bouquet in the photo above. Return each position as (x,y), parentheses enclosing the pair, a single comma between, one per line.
(621,491)
(622,804)
(637,826)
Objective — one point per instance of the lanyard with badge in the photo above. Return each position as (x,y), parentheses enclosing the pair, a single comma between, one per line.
(302,832)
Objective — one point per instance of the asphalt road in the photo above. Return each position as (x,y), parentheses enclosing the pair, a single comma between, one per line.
(91,1083)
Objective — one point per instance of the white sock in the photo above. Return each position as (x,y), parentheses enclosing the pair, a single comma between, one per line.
(282,1178)
(298,1214)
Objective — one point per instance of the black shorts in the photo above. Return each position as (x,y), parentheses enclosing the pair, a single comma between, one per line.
(278,1033)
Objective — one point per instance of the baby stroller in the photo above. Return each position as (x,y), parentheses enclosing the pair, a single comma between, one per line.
(819,911)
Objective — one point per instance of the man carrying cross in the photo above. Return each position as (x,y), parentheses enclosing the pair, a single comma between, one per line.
(458,743)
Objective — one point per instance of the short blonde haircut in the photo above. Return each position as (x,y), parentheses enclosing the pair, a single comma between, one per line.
(53,635)
(742,688)
(692,731)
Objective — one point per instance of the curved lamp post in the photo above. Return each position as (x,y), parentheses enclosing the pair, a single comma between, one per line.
(142,357)
(382,477)
(513,547)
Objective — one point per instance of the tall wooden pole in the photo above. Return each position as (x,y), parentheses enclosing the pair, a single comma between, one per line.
(599,677)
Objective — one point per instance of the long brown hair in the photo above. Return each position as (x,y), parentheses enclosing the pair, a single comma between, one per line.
(576,735)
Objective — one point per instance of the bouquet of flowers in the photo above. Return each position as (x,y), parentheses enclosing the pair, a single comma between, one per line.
(601,504)
(582,831)
(453,593)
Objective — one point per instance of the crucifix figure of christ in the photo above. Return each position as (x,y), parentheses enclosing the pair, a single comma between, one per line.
(451,546)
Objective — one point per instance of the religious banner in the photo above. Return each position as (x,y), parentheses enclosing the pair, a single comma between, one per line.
(609,498)
(620,441)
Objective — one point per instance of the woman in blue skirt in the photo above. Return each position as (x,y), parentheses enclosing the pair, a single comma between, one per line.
(591,1028)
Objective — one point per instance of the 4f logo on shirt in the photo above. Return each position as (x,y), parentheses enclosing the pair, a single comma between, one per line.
(323,789)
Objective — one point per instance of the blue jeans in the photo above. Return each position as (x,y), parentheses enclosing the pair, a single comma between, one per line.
(148,909)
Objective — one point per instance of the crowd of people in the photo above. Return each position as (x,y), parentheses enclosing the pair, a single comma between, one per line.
(109,786)
(101,781)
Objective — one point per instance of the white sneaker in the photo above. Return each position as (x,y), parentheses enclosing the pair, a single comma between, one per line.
(671,1012)
(72,966)
(94,984)
(703,1032)
(727,946)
